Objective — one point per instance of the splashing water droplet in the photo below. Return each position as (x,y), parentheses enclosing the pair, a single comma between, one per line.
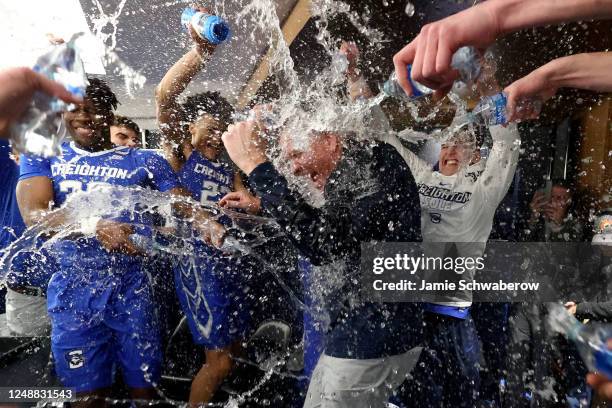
(339,63)
(409,9)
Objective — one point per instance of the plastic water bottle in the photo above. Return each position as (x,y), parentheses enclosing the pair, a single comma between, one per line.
(466,60)
(40,130)
(491,110)
(393,89)
(209,27)
(591,339)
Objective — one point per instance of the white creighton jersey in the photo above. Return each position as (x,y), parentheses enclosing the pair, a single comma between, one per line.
(460,208)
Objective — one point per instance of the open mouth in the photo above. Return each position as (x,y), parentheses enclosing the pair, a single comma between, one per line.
(451,162)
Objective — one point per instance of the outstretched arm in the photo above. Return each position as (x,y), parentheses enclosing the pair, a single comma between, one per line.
(35,199)
(168,91)
(501,163)
(431,51)
(591,71)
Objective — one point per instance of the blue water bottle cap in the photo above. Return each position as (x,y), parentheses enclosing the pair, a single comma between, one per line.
(415,89)
(215,30)
(186,17)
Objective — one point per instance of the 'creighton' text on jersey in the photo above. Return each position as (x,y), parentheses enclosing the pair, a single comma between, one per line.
(77,169)
(438,196)
(69,169)
(207,181)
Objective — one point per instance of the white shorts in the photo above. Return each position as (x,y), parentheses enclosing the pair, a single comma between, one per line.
(26,315)
(352,383)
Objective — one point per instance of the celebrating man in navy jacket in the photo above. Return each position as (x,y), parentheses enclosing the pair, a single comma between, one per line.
(370,195)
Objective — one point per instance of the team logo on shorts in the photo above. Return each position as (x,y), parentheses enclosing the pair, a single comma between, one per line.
(435,217)
(75,359)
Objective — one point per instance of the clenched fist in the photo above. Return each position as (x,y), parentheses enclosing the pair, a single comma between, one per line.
(245,146)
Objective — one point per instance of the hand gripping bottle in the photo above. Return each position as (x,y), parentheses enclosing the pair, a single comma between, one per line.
(40,131)
(465,60)
(590,339)
(209,27)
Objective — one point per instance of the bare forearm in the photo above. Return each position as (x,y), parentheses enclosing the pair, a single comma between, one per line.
(53,220)
(513,15)
(591,71)
(169,89)
(178,77)
(186,208)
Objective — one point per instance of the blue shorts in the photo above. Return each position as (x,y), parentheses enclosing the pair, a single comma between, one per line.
(214,299)
(32,267)
(102,317)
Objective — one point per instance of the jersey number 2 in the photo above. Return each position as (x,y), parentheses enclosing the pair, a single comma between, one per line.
(210,193)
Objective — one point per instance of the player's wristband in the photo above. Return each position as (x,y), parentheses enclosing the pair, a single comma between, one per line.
(88,225)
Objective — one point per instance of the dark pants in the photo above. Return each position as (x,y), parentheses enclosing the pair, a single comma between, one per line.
(491,320)
(447,374)
(543,368)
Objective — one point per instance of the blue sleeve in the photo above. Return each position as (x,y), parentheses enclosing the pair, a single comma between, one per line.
(162,176)
(32,166)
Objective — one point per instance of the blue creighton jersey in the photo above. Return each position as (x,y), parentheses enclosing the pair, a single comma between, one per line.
(77,169)
(207,181)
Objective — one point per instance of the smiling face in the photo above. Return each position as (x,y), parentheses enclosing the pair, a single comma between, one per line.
(460,151)
(317,160)
(206,133)
(88,125)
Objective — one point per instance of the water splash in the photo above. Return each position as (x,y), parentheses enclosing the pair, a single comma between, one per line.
(409,9)
(304,107)
(105,27)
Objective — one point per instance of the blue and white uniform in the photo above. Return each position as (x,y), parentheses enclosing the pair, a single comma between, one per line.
(209,284)
(457,209)
(100,302)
